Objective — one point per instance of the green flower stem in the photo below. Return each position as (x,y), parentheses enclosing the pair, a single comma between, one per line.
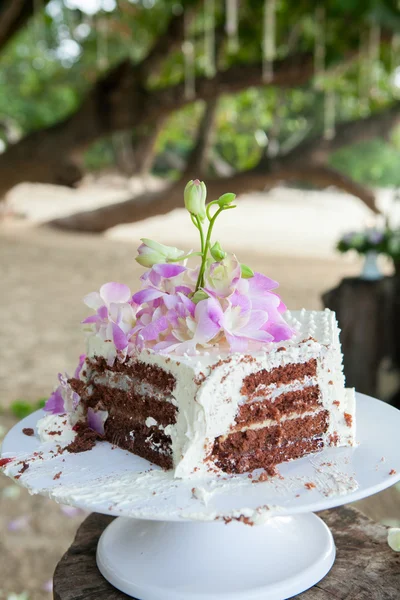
(200,279)
(200,228)
(174,260)
(209,205)
(195,223)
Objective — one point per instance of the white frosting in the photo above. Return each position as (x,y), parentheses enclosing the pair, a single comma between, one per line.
(56,428)
(207,391)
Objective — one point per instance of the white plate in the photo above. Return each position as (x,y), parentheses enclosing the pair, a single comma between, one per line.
(112,481)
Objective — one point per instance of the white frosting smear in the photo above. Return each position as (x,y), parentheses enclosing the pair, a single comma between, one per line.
(117,482)
(56,428)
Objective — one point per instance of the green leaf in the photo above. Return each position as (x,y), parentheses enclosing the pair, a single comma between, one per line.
(199,296)
(247,273)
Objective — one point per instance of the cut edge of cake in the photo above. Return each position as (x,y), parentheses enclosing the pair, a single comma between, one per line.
(216,412)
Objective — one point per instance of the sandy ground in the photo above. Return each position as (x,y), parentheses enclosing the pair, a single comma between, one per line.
(44,274)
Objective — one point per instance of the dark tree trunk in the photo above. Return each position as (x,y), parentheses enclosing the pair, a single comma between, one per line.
(361,547)
(14,14)
(368,313)
(200,155)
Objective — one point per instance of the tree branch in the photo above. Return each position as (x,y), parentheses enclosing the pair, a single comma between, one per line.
(323,176)
(164,201)
(349,132)
(168,41)
(14,14)
(288,72)
(118,102)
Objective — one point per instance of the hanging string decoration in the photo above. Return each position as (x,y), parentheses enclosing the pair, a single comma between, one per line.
(363,73)
(101,26)
(319,45)
(189,62)
(374,51)
(329,114)
(269,39)
(232,25)
(39,23)
(395,63)
(209,38)
(395,52)
(69,20)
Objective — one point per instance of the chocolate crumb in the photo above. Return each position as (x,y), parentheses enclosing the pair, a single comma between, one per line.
(349,419)
(334,439)
(336,402)
(54,432)
(57,475)
(241,519)
(392,472)
(309,485)
(25,467)
(330,382)
(28,431)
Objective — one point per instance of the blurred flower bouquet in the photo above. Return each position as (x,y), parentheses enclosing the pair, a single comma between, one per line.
(371,242)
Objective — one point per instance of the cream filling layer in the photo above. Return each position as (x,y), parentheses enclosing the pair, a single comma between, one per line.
(273,422)
(273,391)
(125,383)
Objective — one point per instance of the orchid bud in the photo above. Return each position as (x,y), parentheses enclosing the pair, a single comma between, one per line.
(246,272)
(152,253)
(217,253)
(199,296)
(195,198)
(226,200)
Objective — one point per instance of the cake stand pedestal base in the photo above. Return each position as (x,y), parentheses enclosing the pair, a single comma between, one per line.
(158,560)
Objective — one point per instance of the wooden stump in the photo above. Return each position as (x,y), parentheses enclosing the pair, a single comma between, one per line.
(369,317)
(365,568)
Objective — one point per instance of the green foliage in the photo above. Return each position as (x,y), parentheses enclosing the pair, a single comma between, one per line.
(22,408)
(373,163)
(49,67)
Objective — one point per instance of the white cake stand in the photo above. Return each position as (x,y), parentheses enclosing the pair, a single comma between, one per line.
(171,543)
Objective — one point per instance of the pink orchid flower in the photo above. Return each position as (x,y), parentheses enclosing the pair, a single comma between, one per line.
(192,325)
(55,403)
(162,281)
(222,278)
(64,398)
(240,323)
(258,290)
(115,313)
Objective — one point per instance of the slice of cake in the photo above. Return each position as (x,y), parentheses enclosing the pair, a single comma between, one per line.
(204,371)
